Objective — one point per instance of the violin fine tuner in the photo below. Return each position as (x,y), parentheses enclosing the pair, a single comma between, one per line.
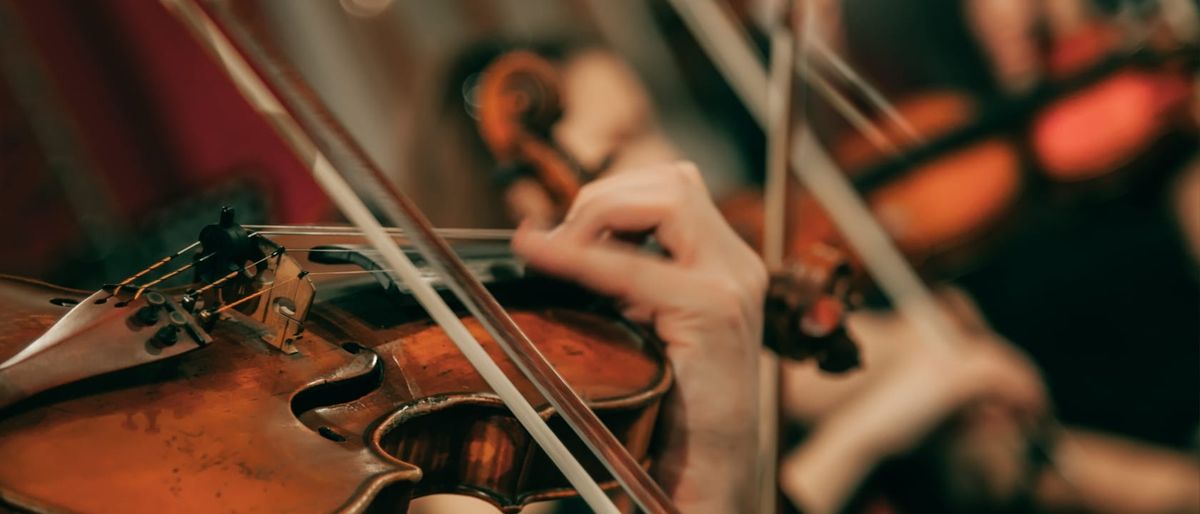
(111,330)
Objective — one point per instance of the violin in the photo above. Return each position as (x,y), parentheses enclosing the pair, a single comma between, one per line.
(950,196)
(279,391)
(304,380)
(941,215)
(958,170)
(518,102)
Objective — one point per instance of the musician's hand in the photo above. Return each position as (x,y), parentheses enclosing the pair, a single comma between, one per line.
(984,382)
(704,300)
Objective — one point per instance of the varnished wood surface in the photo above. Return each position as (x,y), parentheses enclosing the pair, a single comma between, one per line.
(433,410)
(240,427)
(210,432)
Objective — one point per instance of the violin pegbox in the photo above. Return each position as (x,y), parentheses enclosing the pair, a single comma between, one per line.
(805,310)
(518,101)
(246,276)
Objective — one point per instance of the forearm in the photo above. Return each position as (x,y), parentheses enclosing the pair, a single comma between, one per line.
(1102,473)
(880,421)
(822,474)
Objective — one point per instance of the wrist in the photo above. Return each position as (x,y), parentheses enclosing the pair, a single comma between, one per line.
(710,473)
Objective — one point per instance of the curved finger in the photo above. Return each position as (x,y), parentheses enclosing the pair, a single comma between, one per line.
(635,212)
(608,268)
(671,203)
(662,178)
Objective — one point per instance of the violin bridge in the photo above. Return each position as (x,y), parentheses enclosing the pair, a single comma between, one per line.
(284,306)
(254,275)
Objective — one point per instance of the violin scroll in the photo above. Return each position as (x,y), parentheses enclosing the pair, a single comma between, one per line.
(519,103)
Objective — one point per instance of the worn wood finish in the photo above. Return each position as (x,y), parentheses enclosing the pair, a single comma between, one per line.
(433,410)
(240,426)
(210,432)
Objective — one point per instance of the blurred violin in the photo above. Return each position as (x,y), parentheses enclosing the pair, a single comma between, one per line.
(951,177)
(840,196)
(942,175)
(518,101)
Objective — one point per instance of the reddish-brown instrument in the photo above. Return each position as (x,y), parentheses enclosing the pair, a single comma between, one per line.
(435,411)
(518,103)
(364,405)
(337,160)
(212,431)
(251,386)
(943,195)
(1099,114)
(1137,108)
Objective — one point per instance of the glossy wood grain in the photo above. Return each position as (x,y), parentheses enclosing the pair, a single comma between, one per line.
(376,407)
(433,410)
(210,432)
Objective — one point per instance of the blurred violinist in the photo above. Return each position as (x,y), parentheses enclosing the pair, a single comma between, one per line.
(977,409)
(1106,150)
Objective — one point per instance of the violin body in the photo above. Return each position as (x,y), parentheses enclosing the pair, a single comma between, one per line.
(210,431)
(374,406)
(433,409)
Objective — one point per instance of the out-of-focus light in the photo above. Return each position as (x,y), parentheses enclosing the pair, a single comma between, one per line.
(365,8)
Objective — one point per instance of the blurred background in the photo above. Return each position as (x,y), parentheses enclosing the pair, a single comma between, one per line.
(1041,155)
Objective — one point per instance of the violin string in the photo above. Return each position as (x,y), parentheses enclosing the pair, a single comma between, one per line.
(251,296)
(343,230)
(233,273)
(729,47)
(274,285)
(351,272)
(259,293)
(265,87)
(173,273)
(184,268)
(365,250)
(869,91)
(155,266)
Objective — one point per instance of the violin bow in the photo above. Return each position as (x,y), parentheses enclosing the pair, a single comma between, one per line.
(779,125)
(318,141)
